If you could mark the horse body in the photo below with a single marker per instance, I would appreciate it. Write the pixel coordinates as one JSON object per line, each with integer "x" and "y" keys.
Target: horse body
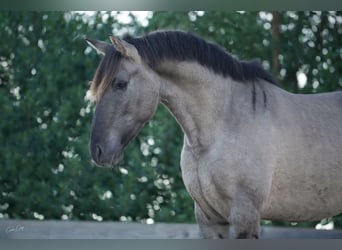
{"x": 305, "y": 183}
{"x": 271, "y": 152}
{"x": 251, "y": 150}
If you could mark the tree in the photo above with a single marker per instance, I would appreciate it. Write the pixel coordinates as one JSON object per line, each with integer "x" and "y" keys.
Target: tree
{"x": 46, "y": 172}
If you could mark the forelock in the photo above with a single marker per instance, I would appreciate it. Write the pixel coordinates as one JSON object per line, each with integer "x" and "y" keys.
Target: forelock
{"x": 105, "y": 73}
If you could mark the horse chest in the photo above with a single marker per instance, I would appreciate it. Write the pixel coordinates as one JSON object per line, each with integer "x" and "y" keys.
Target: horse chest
{"x": 190, "y": 176}
{"x": 198, "y": 184}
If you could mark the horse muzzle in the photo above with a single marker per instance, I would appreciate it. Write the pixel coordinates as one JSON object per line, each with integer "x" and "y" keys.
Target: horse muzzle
{"x": 106, "y": 156}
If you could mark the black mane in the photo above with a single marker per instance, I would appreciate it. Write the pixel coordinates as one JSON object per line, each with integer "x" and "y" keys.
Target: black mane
{"x": 181, "y": 46}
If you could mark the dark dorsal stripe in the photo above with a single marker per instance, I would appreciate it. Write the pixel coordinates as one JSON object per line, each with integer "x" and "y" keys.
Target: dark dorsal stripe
{"x": 181, "y": 46}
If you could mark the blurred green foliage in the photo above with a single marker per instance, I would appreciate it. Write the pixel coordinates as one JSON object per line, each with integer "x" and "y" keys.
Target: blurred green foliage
{"x": 45, "y": 69}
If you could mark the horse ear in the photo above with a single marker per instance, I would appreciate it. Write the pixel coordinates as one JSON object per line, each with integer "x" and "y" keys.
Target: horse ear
{"x": 101, "y": 47}
{"x": 126, "y": 49}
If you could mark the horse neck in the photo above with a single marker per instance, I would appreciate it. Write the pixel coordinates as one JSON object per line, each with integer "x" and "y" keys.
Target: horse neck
{"x": 197, "y": 98}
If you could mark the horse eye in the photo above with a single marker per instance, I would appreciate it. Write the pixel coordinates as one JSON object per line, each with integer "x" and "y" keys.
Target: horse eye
{"x": 119, "y": 84}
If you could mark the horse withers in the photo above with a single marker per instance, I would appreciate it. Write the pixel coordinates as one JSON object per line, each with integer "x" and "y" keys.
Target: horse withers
{"x": 251, "y": 150}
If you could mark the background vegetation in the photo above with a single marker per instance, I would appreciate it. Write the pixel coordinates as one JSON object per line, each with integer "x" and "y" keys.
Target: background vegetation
{"x": 45, "y": 69}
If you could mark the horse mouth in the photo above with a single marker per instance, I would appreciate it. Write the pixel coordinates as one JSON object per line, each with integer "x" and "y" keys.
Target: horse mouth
{"x": 117, "y": 158}
{"x": 116, "y": 155}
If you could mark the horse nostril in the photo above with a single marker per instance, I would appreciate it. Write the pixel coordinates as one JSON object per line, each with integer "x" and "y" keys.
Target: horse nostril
{"x": 98, "y": 152}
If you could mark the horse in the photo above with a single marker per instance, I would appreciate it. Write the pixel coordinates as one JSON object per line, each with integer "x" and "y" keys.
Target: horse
{"x": 251, "y": 150}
